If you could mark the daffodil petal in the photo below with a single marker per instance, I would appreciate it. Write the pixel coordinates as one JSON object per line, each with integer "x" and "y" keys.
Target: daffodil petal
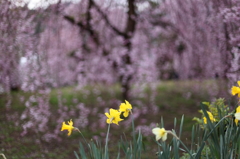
{"x": 158, "y": 137}
{"x": 238, "y": 83}
{"x": 108, "y": 121}
{"x": 204, "y": 120}
{"x": 238, "y": 109}
{"x": 70, "y": 122}
{"x": 128, "y": 104}
{"x": 237, "y": 116}
{"x": 63, "y": 126}
{"x": 115, "y": 122}
{"x": 155, "y": 131}
{"x": 236, "y": 121}
{"x": 107, "y": 115}
{"x": 69, "y": 132}
{"x": 112, "y": 111}
{"x": 164, "y": 138}
{"x": 122, "y": 107}
{"x": 125, "y": 114}
{"x": 235, "y": 90}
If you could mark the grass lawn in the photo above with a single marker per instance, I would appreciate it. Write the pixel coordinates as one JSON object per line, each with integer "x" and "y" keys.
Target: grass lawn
{"x": 172, "y": 98}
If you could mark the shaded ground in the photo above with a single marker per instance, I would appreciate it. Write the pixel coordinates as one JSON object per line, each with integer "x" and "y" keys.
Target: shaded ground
{"x": 173, "y": 98}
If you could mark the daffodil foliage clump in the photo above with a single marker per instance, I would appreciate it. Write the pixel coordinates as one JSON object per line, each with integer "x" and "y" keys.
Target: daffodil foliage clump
{"x": 215, "y": 135}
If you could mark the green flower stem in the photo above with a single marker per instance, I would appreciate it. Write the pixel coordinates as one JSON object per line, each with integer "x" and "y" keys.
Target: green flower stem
{"x": 134, "y": 137}
{"x": 3, "y": 155}
{"x": 81, "y": 134}
{"x": 76, "y": 129}
{"x": 174, "y": 135}
{"x": 106, "y": 144}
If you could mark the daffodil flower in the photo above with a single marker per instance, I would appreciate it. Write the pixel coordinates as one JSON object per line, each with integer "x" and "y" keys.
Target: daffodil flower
{"x": 125, "y": 108}
{"x": 69, "y": 127}
{"x": 237, "y": 115}
{"x": 160, "y": 133}
{"x": 210, "y": 117}
{"x": 236, "y": 90}
{"x": 113, "y": 116}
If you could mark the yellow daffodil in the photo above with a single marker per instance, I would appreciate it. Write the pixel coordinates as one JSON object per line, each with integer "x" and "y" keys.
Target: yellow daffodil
{"x": 237, "y": 115}
{"x": 125, "y": 108}
{"x": 236, "y": 90}
{"x": 68, "y": 127}
{"x": 210, "y": 117}
{"x": 160, "y": 133}
{"x": 113, "y": 116}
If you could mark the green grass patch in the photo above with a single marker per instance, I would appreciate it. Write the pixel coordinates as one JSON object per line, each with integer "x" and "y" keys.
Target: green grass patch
{"x": 173, "y": 98}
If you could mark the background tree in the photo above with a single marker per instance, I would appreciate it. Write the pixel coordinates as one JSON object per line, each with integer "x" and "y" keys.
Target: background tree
{"x": 11, "y": 49}
{"x": 122, "y": 67}
{"x": 132, "y": 42}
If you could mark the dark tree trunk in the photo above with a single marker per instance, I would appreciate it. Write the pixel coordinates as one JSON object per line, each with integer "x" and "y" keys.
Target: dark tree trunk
{"x": 126, "y": 59}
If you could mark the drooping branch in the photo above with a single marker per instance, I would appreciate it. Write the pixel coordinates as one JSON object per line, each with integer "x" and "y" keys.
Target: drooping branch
{"x": 105, "y": 18}
{"x": 87, "y": 26}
